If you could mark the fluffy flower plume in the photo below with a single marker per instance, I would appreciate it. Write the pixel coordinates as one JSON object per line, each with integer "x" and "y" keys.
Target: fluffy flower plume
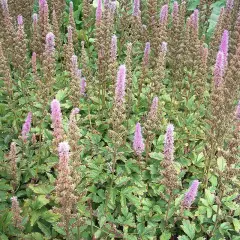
{"x": 146, "y": 54}
{"x": 50, "y": 42}
{"x": 229, "y": 4}
{"x": 120, "y": 86}
{"x": 169, "y": 144}
{"x": 63, "y": 152}
{"x": 16, "y": 212}
{"x": 138, "y": 144}
{"x": 83, "y": 85}
{"x": 194, "y": 20}
{"x": 26, "y": 126}
{"x": 219, "y": 69}
{"x": 20, "y": 20}
{"x": 164, "y": 14}
{"x": 99, "y": 11}
{"x": 224, "y": 45}
{"x": 114, "y": 48}
{"x": 190, "y": 194}
{"x": 238, "y": 111}
{"x": 56, "y": 116}
{"x": 136, "y": 8}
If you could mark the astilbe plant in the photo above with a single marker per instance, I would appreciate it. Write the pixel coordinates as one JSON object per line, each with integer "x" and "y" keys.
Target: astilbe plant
{"x": 100, "y": 164}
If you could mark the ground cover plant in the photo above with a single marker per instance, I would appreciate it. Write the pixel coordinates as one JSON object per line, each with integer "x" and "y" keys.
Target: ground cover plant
{"x": 119, "y": 119}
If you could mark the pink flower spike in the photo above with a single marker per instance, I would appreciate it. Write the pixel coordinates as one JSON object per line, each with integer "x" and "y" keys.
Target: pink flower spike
{"x": 26, "y": 127}
{"x": 219, "y": 69}
{"x": 83, "y": 85}
{"x": 50, "y": 42}
{"x": 154, "y": 106}
{"x": 224, "y": 45}
{"x": 120, "y": 86}
{"x": 63, "y": 152}
{"x": 191, "y": 194}
{"x": 138, "y": 144}
{"x": 169, "y": 144}
{"x": 4, "y": 4}
{"x": 99, "y": 12}
{"x": 146, "y": 54}
{"x": 164, "y": 14}
{"x": 136, "y": 8}
{"x": 229, "y": 5}
{"x": 20, "y": 20}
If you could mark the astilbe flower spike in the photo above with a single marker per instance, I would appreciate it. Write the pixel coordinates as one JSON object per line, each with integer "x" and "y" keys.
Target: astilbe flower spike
{"x": 169, "y": 144}
{"x": 229, "y": 4}
{"x": 219, "y": 69}
{"x": 164, "y": 14}
{"x": 83, "y": 85}
{"x": 146, "y": 54}
{"x": 138, "y": 144}
{"x": 114, "y": 48}
{"x": 99, "y": 12}
{"x": 56, "y": 116}
{"x": 50, "y": 42}
{"x": 26, "y": 127}
{"x": 224, "y": 45}
{"x": 191, "y": 194}
{"x": 16, "y": 212}
{"x": 120, "y": 85}
{"x": 136, "y": 8}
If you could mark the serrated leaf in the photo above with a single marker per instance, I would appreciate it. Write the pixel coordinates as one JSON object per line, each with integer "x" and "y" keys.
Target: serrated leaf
{"x": 122, "y": 180}
{"x": 44, "y": 229}
{"x": 189, "y": 228}
{"x": 165, "y": 235}
{"x": 236, "y": 223}
{"x": 155, "y": 155}
{"x": 41, "y": 189}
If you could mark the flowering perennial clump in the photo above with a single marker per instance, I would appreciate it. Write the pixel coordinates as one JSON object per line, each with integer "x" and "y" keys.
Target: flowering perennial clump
{"x": 109, "y": 109}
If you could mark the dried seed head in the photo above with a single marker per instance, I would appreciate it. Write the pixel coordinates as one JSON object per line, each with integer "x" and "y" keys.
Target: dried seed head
{"x": 154, "y": 106}
{"x": 114, "y": 48}
{"x": 191, "y": 194}
{"x": 138, "y": 144}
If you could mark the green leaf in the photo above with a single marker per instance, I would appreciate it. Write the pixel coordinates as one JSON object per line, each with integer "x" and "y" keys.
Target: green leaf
{"x": 42, "y": 189}
{"x": 236, "y": 223}
{"x": 221, "y": 162}
{"x": 188, "y": 228}
{"x": 210, "y": 197}
{"x": 155, "y": 155}
{"x": 3, "y": 237}
{"x": 166, "y": 235}
{"x": 50, "y": 216}
{"x": 44, "y": 229}
{"x": 183, "y": 237}
{"x": 40, "y": 202}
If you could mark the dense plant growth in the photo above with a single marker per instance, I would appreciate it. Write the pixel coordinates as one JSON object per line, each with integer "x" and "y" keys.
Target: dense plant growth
{"x": 119, "y": 119}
